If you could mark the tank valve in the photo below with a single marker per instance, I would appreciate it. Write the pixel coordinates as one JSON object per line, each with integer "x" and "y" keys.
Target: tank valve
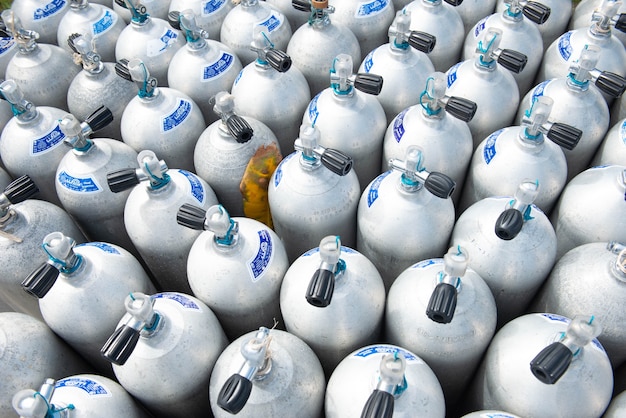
{"x": 606, "y": 16}
{"x": 150, "y": 169}
{"x": 135, "y": 70}
{"x": 434, "y": 98}
{"x": 139, "y": 12}
{"x": 392, "y": 381}
{"x": 510, "y": 222}
{"x": 536, "y": 123}
{"x": 312, "y": 153}
{"x": 442, "y": 303}
{"x": 343, "y": 81}
{"x": 85, "y": 53}
{"x": 489, "y": 53}
{"x": 401, "y": 37}
{"x": 318, "y": 9}
{"x": 236, "y": 126}
{"x": 583, "y": 70}
{"x": 267, "y": 55}
{"x": 25, "y": 39}
{"x": 414, "y": 175}
{"x": 186, "y": 21}
{"x": 77, "y": 134}
{"x": 29, "y": 403}
{"x": 17, "y": 191}
{"x": 21, "y": 108}
{"x": 320, "y": 290}
{"x": 216, "y": 219}
{"x": 536, "y": 12}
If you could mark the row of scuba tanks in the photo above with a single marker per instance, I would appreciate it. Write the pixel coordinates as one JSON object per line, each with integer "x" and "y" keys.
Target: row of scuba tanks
{"x": 279, "y": 220}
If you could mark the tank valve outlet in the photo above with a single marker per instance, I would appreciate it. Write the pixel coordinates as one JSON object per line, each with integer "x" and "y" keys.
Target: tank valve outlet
{"x": 139, "y": 12}
{"x": 236, "y": 126}
{"x": 536, "y": 124}
{"x": 186, "y": 21}
{"x": 343, "y": 81}
{"x": 534, "y": 11}
{"x": 151, "y": 169}
{"x": 234, "y": 395}
{"x": 391, "y": 384}
{"x": 442, "y": 303}
{"x": 25, "y": 39}
{"x": 36, "y": 404}
{"x": 605, "y": 16}
{"x": 135, "y": 70}
{"x": 488, "y": 53}
{"x": 401, "y": 37}
{"x": 140, "y": 317}
{"x": 414, "y": 175}
{"x": 510, "y": 222}
{"x": 553, "y": 361}
{"x": 434, "y": 98}
{"x": 21, "y": 108}
{"x": 267, "y": 55}
{"x": 216, "y": 219}
{"x": 314, "y": 154}
{"x": 319, "y": 293}
{"x": 85, "y": 53}
{"x": 61, "y": 259}
{"x": 77, "y": 134}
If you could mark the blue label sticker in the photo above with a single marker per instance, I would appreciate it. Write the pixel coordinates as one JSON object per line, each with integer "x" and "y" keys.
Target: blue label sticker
{"x": 372, "y": 193}
{"x": 385, "y": 349}
{"x": 597, "y": 345}
{"x": 6, "y": 44}
{"x": 197, "y": 190}
{"x": 312, "y": 111}
{"x": 496, "y": 415}
{"x": 538, "y": 92}
{"x": 317, "y": 250}
{"x": 78, "y": 184}
{"x": 564, "y": 45}
{"x": 239, "y": 76}
{"x": 261, "y": 260}
{"x": 183, "y": 300}
{"x": 490, "y": 146}
{"x": 278, "y": 173}
{"x": 369, "y": 62}
{"x": 398, "y": 126}
{"x": 155, "y": 47}
{"x": 218, "y": 67}
{"x": 426, "y": 263}
{"x": 48, "y": 10}
{"x": 480, "y": 26}
{"x": 211, "y": 6}
{"x": 622, "y": 132}
{"x": 106, "y": 22}
{"x": 107, "y": 248}
{"x": 50, "y": 140}
{"x": 178, "y": 116}
{"x": 91, "y": 387}
{"x": 273, "y": 22}
{"x": 452, "y": 73}
{"x": 557, "y": 318}
{"x": 370, "y": 8}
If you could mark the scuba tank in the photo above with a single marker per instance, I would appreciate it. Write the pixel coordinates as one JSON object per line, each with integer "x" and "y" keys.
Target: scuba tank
{"x": 404, "y": 215}
{"x": 150, "y": 216}
{"x": 612, "y": 149}
{"x": 71, "y": 286}
{"x": 509, "y": 155}
{"x": 238, "y": 28}
{"x": 209, "y": 14}
{"x": 518, "y": 23}
{"x": 314, "y": 46}
{"x": 43, "y": 72}
{"x": 471, "y": 11}
{"x": 97, "y": 85}
{"x": 162, "y": 119}
{"x": 617, "y": 407}
{"x": 42, "y": 16}
{"x": 383, "y": 381}
{"x": 591, "y": 278}
{"x": 202, "y": 68}
{"x": 348, "y": 120}
{"x": 150, "y": 351}
{"x": 99, "y": 22}
{"x": 272, "y": 91}
{"x": 583, "y": 13}
{"x": 402, "y": 63}
{"x": 155, "y": 8}
{"x": 437, "y": 124}
{"x": 443, "y": 22}
{"x": 544, "y": 365}
{"x": 32, "y": 141}
{"x": 236, "y": 267}
{"x": 149, "y": 39}
{"x": 267, "y": 373}
{"x": 444, "y": 312}
{"x": 293, "y": 15}
{"x": 512, "y": 246}
{"x": 490, "y": 414}
{"x": 580, "y": 104}
{"x": 491, "y": 87}
{"x": 237, "y": 156}
{"x": 313, "y": 193}
{"x": 346, "y": 301}
{"x": 591, "y": 208}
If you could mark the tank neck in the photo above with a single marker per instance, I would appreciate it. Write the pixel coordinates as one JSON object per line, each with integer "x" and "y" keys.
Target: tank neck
{"x": 576, "y": 85}
{"x": 432, "y": 3}
{"x": 79, "y": 4}
{"x": 249, "y": 3}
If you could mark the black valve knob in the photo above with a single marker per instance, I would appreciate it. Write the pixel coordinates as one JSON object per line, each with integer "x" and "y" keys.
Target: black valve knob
{"x": 191, "y": 217}
{"x": 512, "y": 60}
{"x": 301, "y": 5}
{"x": 121, "y": 3}
{"x": 121, "y": 180}
{"x": 440, "y": 185}
{"x": 369, "y": 83}
{"x": 120, "y": 345}
{"x": 620, "y": 23}
{"x": 611, "y": 84}
{"x": 461, "y": 108}
{"x": 172, "y": 18}
{"x": 442, "y": 303}
{"x": 378, "y": 405}
{"x": 41, "y": 280}
{"x": 336, "y": 161}
{"x": 565, "y": 136}
{"x": 121, "y": 69}
{"x": 551, "y": 363}
{"x": 234, "y": 394}
{"x": 422, "y": 41}
{"x": 536, "y": 12}
{"x": 279, "y": 60}
{"x": 454, "y": 2}
{"x": 239, "y": 129}
{"x": 70, "y": 42}
{"x": 319, "y": 293}
{"x": 509, "y": 224}
{"x": 99, "y": 119}
{"x": 20, "y": 189}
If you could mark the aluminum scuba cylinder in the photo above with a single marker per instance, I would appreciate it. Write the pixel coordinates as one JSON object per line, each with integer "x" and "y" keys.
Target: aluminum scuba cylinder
{"x": 617, "y": 407}
{"x": 209, "y": 13}
{"x": 150, "y": 216}
{"x": 584, "y": 11}
{"x": 533, "y": 150}
{"x": 492, "y": 88}
{"x": 404, "y": 215}
{"x": 43, "y": 72}
{"x": 267, "y": 373}
{"x": 383, "y": 381}
{"x": 97, "y": 85}
{"x": 150, "y": 39}
{"x": 153, "y": 339}
{"x": 349, "y": 120}
{"x": 238, "y": 27}
{"x": 314, "y": 46}
{"x": 202, "y": 68}
{"x": 512, "y": 246}
{"x": 346, "y": 301}
{"x": 443, "y": 311}
{"x": 402, "y": 63}
{"x": 612, "y": 149}
{"x": 162, "y": 119}
{"x": 98, "y": 21}
{"x": 544, "y": 365}
{"x": 313, "y": 193}
{"x": 272, "y": 91}
{"x": 155, "y": 8}
{"x": 472, "y": 11}
{"x": 24, "y": 222}
{"x": 293, "y": 15}
{"x": 236, "y": 267}
{"x": 71, "y": 286}
{"x": 42, "y": 16}
{"x": 590, "y": 208}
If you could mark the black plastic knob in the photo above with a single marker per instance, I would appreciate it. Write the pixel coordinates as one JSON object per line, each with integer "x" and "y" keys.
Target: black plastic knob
{"x": 41, "y": 280}
{"x": 191, "y": 217}
{"x": 536, "y": 12}
{"x": 99, "y": 119}
{"x": 336, "y": 161}
{"x": 20, "y": 189}
{"x": 611, "y": 84}
{"x": 319, "y": 293}
{"x": 172, "y": 18}
{"x": 454, "y": 2}
{"x": 620, "y": 23}
{"x": 234, "y": 394}
{"x": 512, "y": 60}
{"x": 422, "y": 41}
{"x": 70, "y": 42}
{"x": 239, "y": 129}
{"x": 121, "y": 3}
{"x": 121, "y": 69}
{"x": 301, "y": 5}
{"x": 460, "y": 108}
{"x": 442, "y": 303}
{"x": 279, "y": 60}
{"x": 368, "y": 83}
{"x": 440, "y": 185}
{"x": 551, "y": 363}
{"x": 120, "y": 345}
{"x": 121, "y": 180}
{"x": 565, "y": 136}
{"x": 378, "y": 405}
{"x": 509, "y": 224}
